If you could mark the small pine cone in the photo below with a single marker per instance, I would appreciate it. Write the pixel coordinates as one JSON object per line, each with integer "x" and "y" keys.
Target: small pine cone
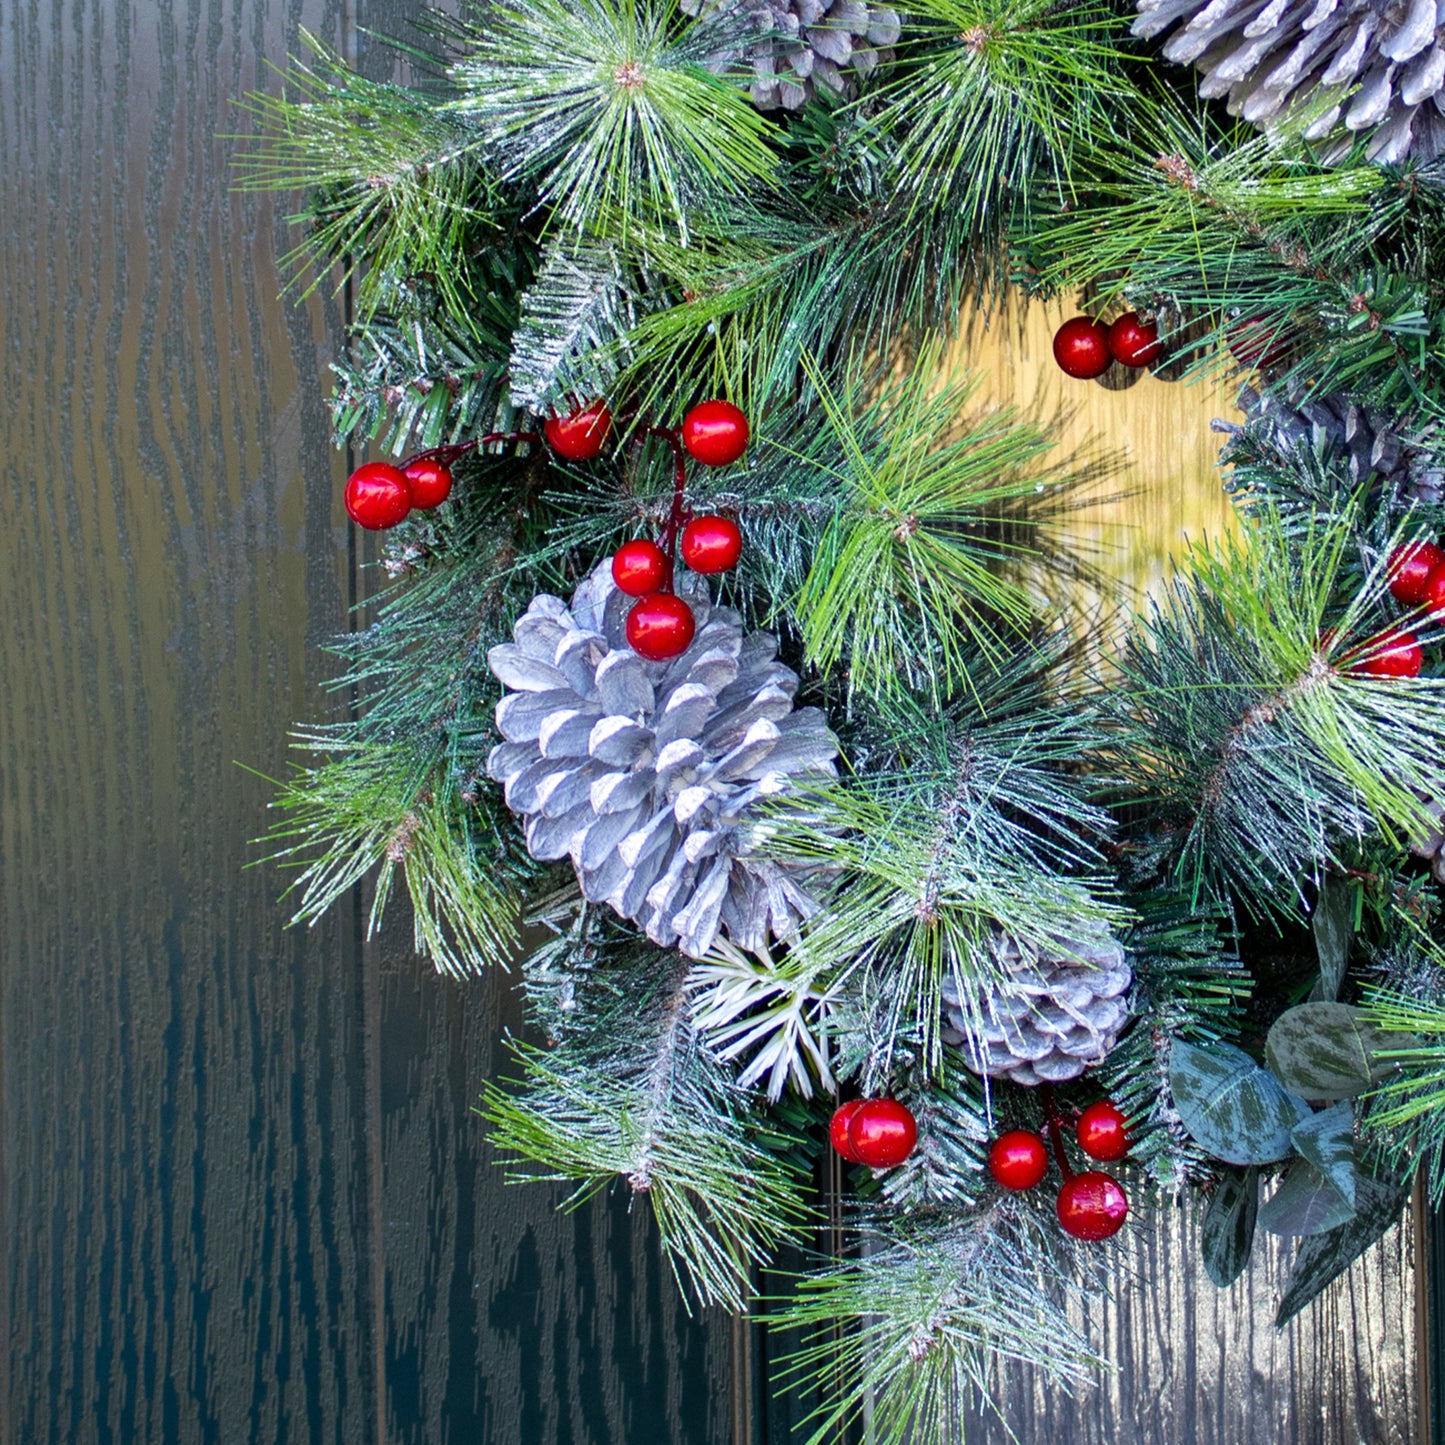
{"x": 1060, "y": 1011}
{"x": 1369, "y": 440}
{"x": 655, "y": 776}
{"x": 798, "y": 46}
{"x": 1369, "y": 65}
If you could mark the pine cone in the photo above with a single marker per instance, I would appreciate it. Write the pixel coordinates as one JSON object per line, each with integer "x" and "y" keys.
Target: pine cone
{"x": 653, "y": 775}
{"x": 1060, "y": 1012}
{"x": 799, "y": 45}
{"x": 1374, "y": 64}
{"x": 1368, "y": 438}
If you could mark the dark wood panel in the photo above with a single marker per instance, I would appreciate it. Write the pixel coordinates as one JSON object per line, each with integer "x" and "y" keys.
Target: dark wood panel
{"x": 210, "y": 1201}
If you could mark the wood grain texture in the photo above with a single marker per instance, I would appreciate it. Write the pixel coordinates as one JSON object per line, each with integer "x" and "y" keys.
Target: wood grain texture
{"x": 241, "y": 1187}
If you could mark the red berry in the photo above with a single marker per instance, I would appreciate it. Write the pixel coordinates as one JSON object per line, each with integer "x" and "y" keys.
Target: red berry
{"x": 1081, "y": 347}
{"x": 639, "y": 567}
{"x": 715, "y": 433}
{"x": 1409, "y": 569}
{"x": 1255, "y": 344}
{"x": 1101, "y": 1133}
{"x": 1133, "y": 342}
{"x": 838, "y": 1129}
{"x": 580, "y": 436}
{"x": 377, "y": 496}
{"x": 1018, "y": 1160}
{"x": 430, "y": 482}
{"x": 1092, "y": 1206}
{"x": 1389, "y": 654}
{"x": 711, "y": 544}
{"x": 1434, "y": 598}
{"x": 882, "y": 1133}
{"x": 660, "y": 626}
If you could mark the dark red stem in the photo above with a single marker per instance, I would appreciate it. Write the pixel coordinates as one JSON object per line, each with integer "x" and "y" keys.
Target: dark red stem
{"x": 1053, "y": 1122}
{"x": 450, "y": 452}
{"x": 676, "y": 516}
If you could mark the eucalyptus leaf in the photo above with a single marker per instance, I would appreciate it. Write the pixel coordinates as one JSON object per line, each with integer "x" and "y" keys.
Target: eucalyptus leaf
{"x": 1327, "y": 1140}
{"x": 1306, "y": 1202}
{"x": 1232, "y": 1108}
{"x": 1227, "y": 1234}
{"x": 1326, "y": 1050}
{"x": 1333, "y": 926}
{"x": 1325, "y": 1257}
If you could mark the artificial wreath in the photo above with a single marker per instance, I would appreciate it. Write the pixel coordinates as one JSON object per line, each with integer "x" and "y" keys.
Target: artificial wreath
{"x": 714, "y": 686}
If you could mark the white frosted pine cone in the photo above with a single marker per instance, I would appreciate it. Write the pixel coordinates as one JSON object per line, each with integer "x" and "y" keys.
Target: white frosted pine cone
{"x": 1365, "y": 65}
{"x": 652, "y": 776}
{"x": 1057, "y": 1011}
{"x": 802, "y": 45}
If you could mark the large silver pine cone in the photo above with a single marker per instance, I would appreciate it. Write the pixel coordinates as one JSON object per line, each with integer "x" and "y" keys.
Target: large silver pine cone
{"x": 1369, "y": 440}
{"x": 799, "y": 45}
{"x": 1059, "y": 1010}
{"x": 653, "y": 776}
{"x": 1374, "y": 65}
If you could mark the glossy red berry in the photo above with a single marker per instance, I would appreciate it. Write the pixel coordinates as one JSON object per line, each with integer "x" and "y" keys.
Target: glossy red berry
{"x": 1018, "y": 1160}
{"x": 1101, "y": 1133}
{"x": 711, "y": 544}
{"x": 1409, "y": 569}
{"x": 1434, "y": 599}
{"x": 838, "y": 1129}
{"x": 1133, "y": 342}
{"x": 580, "y": 436}
{"x": 1081, "y": 348}
{"x": 660, "y": 626}
{"x": 882, "y": 1133}
{"x": 715, "y": 433}
{"x": 639, "y": 567}
{"x": 1389, "y": 654}
{"x": 1092, "y": 1206}
{"x": 430, "y": 482}
{"x": 377, "y": 496}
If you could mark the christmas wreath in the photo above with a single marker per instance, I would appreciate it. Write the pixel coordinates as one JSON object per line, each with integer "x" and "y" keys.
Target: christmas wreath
{"x": 720, "y": 684}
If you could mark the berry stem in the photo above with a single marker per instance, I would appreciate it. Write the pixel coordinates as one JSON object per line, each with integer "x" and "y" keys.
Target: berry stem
{"x": 1053, "y": 1122}
{"x": 673, "y": 438}
{"x": 451, "y": 451}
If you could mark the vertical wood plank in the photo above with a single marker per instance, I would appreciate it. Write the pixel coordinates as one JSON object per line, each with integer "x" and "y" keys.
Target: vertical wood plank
{"x": 182, "y": 1133}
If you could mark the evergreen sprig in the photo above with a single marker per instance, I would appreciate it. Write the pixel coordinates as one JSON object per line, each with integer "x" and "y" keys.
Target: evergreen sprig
{"x": 634, "y": 1095}
{"x": 608, "y": 108}
{"x": 928, "y": 1314}
{"x": 1249, "y": 726}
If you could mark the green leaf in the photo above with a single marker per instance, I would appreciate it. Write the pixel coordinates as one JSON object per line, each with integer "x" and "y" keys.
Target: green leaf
{"x": 1327, "y": 1140}
{"x": 1325, "y": 1257}
{"x": 1333, "y": 926}
{"x": 1325, "y": 1050}
{"x": 1306, "y": 1202}
{"x": 1236, "y": 1110}
{"x": 1227, "y": 1234}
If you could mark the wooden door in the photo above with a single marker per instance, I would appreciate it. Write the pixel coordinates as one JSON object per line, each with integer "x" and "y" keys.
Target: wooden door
{"x": 245, "y": 1198}
{"x": 245, "y": 1195}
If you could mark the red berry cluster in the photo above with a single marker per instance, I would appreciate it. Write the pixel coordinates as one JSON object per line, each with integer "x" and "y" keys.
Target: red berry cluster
{"x": 379, "y": 496}
{"x": 1084, "y": 347}
{"x": 880, "y": 1133}
{"x": 661, "y": 625}
{"x": 1091, "y": 1205}
{"x": 1416, "y": 573}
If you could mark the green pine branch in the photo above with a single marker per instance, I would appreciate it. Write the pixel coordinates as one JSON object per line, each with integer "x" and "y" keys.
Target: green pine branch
{"x": 634, "y": 1096}
{"x": 929, "y": 1315}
